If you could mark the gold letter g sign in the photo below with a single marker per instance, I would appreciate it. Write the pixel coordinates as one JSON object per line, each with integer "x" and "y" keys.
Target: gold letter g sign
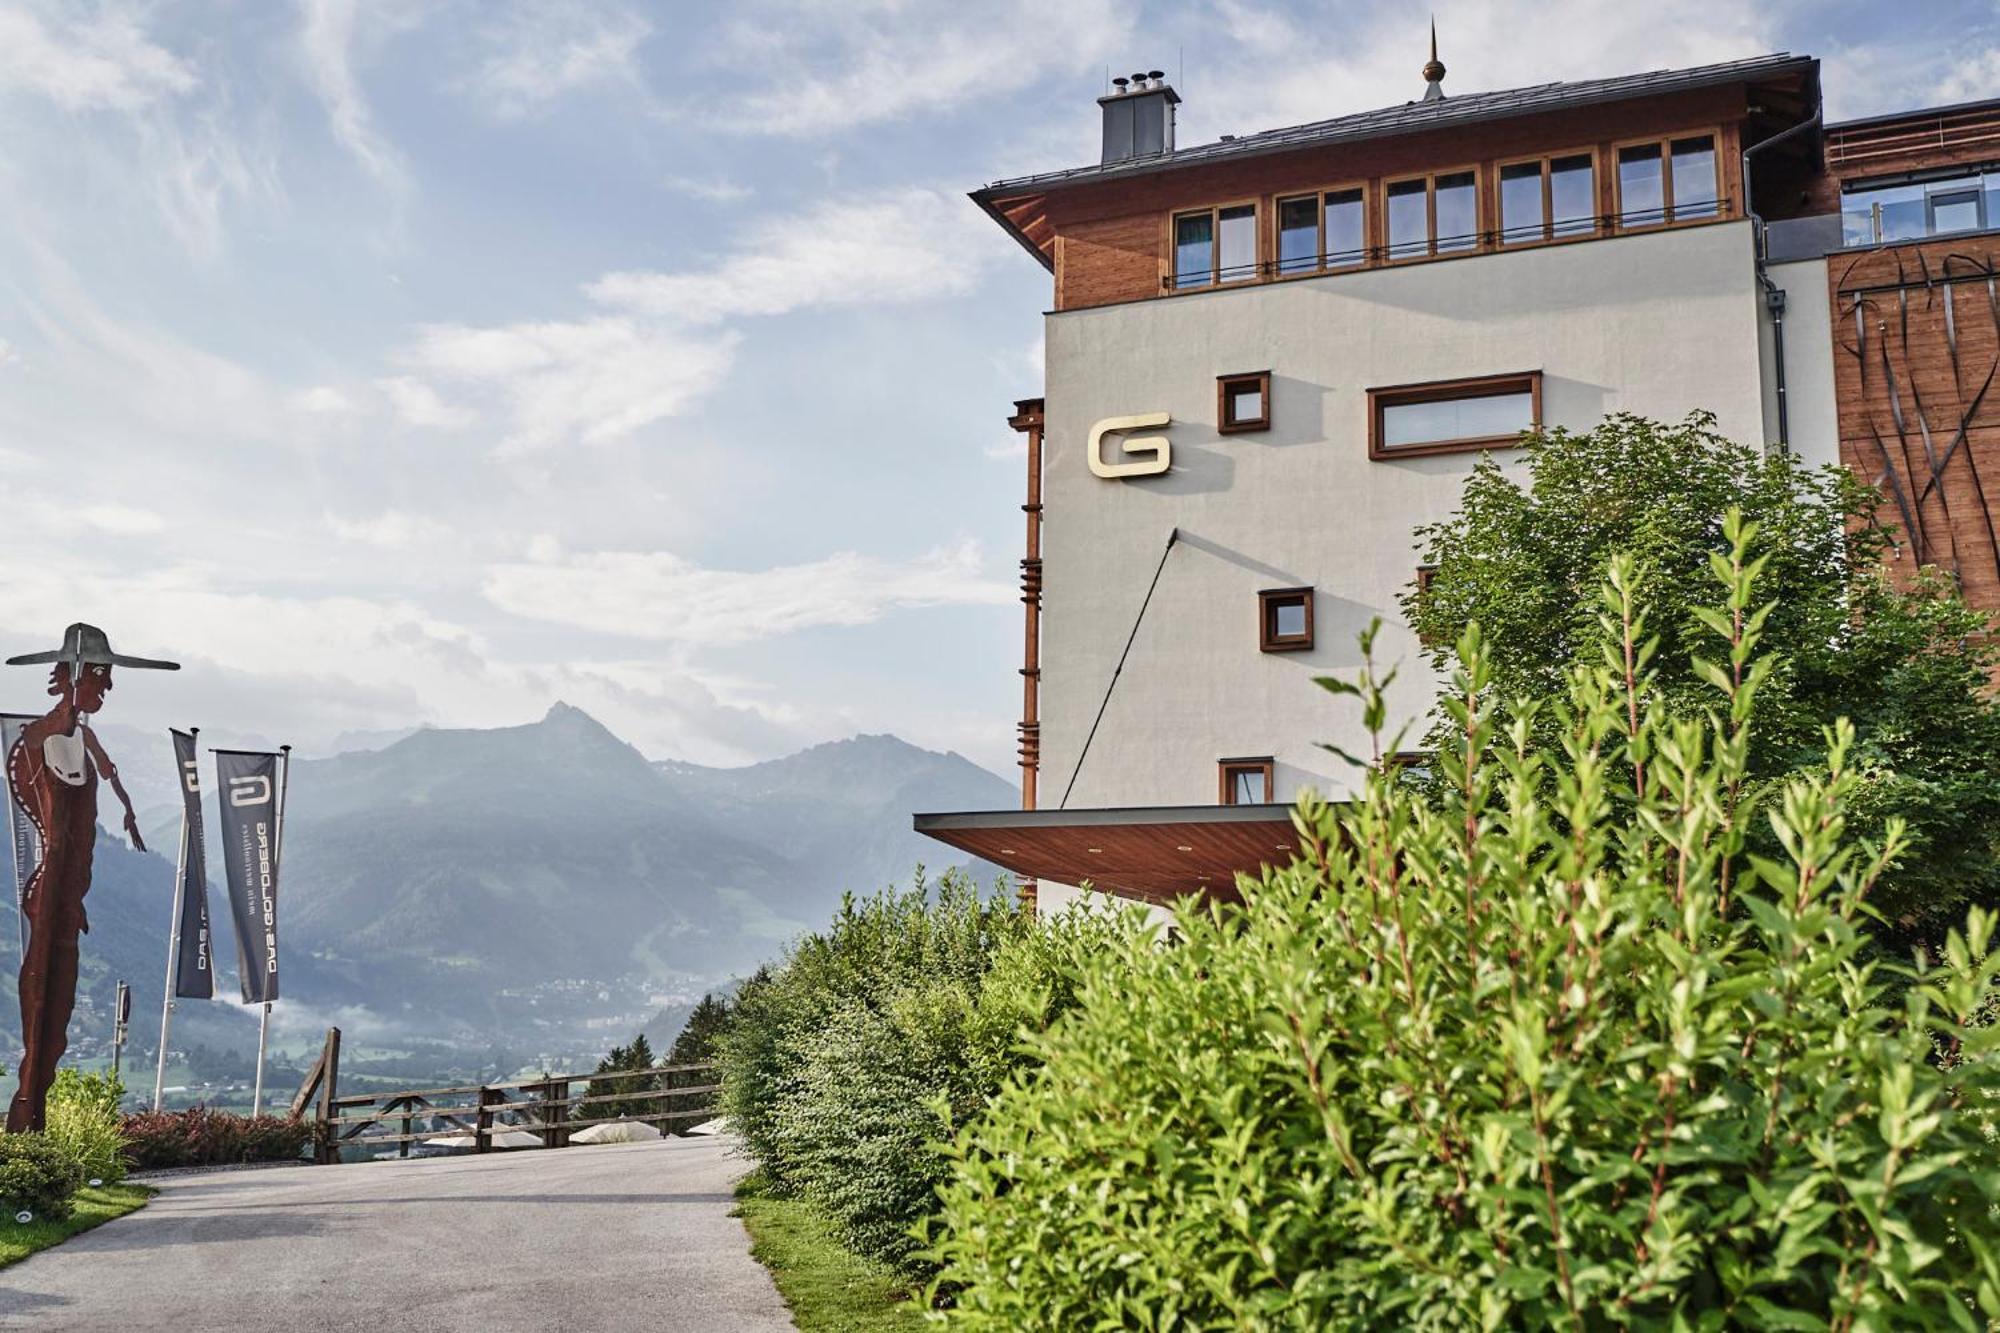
{"x": 1160, "y": 451}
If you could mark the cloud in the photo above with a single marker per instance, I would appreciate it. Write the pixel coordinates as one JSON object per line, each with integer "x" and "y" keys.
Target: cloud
{"x": 324, "y": 400}
{"x": 390, "y": 530}
{"x": 816, "y": 68}
{"x": 659, "y": 595}
{"x": 912, "y": 244}
{"x": 121, "y": 520}
{"x": 538, "y": 53}
{"x": 8, "y": 355}
{"x": 105, "y": 63}
{"x": 418, "y": 404}
{"x": 716, "y": 191}
{"x": 1272, "y": 70}
{"x": 326, "y": 42}
{"x": 594, "y": 380}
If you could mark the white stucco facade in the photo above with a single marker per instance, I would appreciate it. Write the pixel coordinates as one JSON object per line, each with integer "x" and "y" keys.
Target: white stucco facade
{"x": 1813, "y": 429}
{"x": 1656, "y": 324}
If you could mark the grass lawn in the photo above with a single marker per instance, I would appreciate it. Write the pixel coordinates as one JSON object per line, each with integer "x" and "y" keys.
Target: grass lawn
{"x": 829, "y": 1289}
{"x": 94, "y": 1207}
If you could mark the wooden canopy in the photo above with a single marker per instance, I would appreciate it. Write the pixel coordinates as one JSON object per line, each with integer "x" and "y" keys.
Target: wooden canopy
{"x": 1152, "y": 853}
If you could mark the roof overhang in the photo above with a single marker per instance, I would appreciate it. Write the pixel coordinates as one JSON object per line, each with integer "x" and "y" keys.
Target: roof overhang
{"x": 1152, "y": 853}
{"x": 1388, "y": 122}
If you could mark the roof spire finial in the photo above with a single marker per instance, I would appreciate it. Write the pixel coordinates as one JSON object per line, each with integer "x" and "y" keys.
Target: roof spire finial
{"x": 1434, "y": 69}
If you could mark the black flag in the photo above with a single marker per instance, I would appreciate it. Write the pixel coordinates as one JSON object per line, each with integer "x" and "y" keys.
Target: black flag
{"x": 194, "y": 970}
{"x": 248, "y": 796}
{"x": 23, "y": 846}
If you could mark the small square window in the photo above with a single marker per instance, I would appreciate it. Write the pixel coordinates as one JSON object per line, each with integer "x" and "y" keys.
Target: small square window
{"x": 1425, "y": 573}
{"x": 1412, "y": 764}
{"x": 1285, "y": 619}
{"x": 1246, "y": 781}
{"x": 1243, "y": 402}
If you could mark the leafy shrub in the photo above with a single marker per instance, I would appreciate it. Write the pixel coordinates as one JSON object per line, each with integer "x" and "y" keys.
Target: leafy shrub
{"x": 38, "y": 1175}
{"x": 1906, "y": 662}
{"x": 1555, "y": 1052}
{"x": 845, "y": 1066}
{"x": 199, "y": 1136}
{"x": 84, "y": 1121}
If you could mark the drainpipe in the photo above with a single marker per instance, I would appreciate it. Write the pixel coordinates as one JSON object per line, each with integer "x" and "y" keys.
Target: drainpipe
{"x": 1774, "y": 295}
{"x": 1774, "y": 301}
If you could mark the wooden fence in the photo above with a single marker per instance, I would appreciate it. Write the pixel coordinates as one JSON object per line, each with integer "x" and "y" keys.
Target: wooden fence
{"x": 542, "y": 1106}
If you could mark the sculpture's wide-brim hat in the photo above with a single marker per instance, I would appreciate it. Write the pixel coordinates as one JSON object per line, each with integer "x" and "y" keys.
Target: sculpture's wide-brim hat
{"x": 87, "y": 645}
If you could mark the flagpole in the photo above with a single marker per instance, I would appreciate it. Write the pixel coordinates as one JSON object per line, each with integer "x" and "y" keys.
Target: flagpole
{"x": 173, "y": 940}
{"x": 277, "y": 873}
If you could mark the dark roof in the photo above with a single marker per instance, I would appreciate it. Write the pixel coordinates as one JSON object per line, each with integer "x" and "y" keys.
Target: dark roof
{"x": 1411, "y": 117}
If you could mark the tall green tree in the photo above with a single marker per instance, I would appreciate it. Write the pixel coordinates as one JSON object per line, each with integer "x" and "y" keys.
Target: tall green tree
{"x": 1906, "y": 663}
{"x": 632, "y": 1098}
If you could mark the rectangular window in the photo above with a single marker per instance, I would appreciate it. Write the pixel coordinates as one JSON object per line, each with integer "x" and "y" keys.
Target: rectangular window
{"x": 1642, "y": 193}
{"x": 1521, "y": 215}
{"x": 1550, "y": 198}
{"x": 1298, "y": 234}
{"x": 1451, "y": 416}
{"x": 1285, "y": 620}
{"x": 1245, "y": 781}
{"x": 1346, "y": 238}
{"x": 1236, "y": 243}
{"x": 1674, "y": 180}
{"x": 1215, "y": 245}
{"x": 1694, "y": 179}
{"x": 1409, "y": 219}
{"x": 1243, "y": 402}
{"x": 1955, "y": 208}
{"x": 1194, "y": 249}
{"x": 1456, "y": 213}
{"x": 1433, "y": 215}
{"x": 1573, "y": 195}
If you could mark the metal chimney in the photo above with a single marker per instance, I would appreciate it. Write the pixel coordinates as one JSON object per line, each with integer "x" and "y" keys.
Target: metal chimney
{"x": 1139, "y": 117}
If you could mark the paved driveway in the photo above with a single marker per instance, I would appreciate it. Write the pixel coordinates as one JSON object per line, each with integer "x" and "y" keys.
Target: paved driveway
{"x": 627, "y": 1236}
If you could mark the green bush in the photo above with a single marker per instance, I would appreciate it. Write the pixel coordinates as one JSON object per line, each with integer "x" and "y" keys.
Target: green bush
{"x": 844, "y": 1067}
{"x": 37, "y": 1175}
{"x": 85, "y": 1122}
{"x": 1906, "y": 662}
{"x": 1554, "y": 1052}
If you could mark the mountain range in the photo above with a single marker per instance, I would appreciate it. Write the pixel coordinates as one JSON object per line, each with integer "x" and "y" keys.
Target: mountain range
{"x": 544, "y": 886}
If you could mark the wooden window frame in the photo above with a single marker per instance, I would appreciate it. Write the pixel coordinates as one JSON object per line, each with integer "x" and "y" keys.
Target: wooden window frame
{"x": 1546, "y": 161}
{"x": 1430, "y": 180}
{"x": 1215, "y": 212}
{"x": 1478, "y": 386}
{"x": 1268, "y": 639}
{"x": 1319, "y": 264}
{"x": 1226, "y": 770}
{"x": 1261, "y": 379}
{"x": 1665, "y": 143}
{"x": 1425, "y": 574}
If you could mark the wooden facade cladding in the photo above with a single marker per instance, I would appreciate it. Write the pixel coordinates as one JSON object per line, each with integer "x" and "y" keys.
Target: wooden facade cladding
{"x": 1917, "y": 391}
{"x": 1923, "y": 140}
{"x": 1111, "y": 241}
{"x": 1895, "y": 146}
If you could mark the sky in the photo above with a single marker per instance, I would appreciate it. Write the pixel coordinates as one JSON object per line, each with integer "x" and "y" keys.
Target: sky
{"x": 429, "y": 362}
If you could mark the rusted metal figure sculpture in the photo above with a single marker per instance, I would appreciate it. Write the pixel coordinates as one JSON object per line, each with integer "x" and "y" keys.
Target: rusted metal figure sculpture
{"x": 52, "y": 772}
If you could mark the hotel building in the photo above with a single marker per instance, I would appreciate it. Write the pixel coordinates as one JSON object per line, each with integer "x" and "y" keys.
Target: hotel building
{"x": 1273, "y": 357}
